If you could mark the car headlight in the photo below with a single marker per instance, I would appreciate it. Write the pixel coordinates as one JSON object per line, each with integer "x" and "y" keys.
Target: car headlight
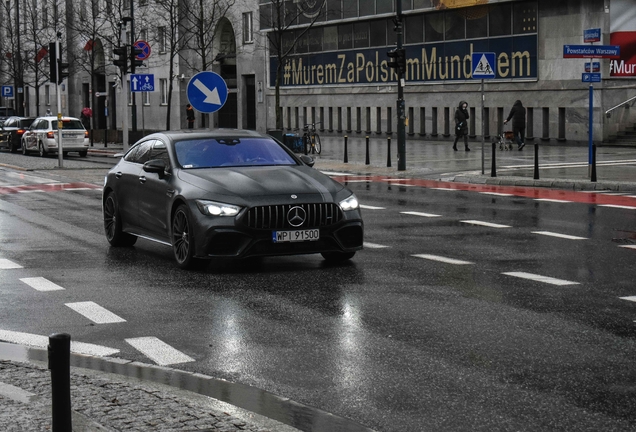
{"x": 350, "y": 203}
{"x": 212, "y": 208}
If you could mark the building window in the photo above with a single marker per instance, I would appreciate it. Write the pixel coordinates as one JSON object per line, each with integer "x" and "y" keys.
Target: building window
{"x": 145, "y": 98}
{"x": 162, "y": 39}
{"x": 143, "y": 35}
{"x": 45, "y": 16}
{"x": 248, "y": 28}
{"x": 47, "y": 95}
{"x": 163, "y": 87}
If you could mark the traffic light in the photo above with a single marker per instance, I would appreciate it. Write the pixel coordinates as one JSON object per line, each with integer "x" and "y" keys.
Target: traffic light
{"x": 62, "y": 71}
{"x": 122, "y": 61}
{"x": 52, "y": 63}
{"x": 398, "y": 59}
{"x": 134, "y": 61}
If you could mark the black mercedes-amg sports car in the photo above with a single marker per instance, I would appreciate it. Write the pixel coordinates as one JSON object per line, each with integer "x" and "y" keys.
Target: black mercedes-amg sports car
{"x": 227, "y": 193}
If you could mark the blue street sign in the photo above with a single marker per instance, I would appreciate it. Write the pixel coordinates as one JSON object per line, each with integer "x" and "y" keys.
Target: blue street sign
{"x": 7, "y": 91}
{"x": 483, "y": 65}
{"x": 145, "y": 49}
{"x": 592, "y": 66}
{"x": 207, "y": 92}
{"x": 591, "y": 51}
{"x": 591, "y": 77}
{"x": 142, "y": 82}
{"x": 592, "y": 35}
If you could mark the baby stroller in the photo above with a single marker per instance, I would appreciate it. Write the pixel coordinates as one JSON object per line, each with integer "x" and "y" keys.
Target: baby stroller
{"x": 506, "y": 139}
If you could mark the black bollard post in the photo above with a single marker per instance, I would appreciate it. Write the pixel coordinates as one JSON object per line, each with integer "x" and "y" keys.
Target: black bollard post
{"x": 388, "y": 153}
{"x": 536, "y": 161}
{"x": 367, "y": 160}
{"x": 60, "y": 365}
{"x": 346, "y": 155}
{"x": 493, "y": 168}
{"x": 593, "y": 174}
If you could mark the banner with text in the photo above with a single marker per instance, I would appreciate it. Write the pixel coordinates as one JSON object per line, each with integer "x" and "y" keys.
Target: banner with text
{"x": 623, "y": 34}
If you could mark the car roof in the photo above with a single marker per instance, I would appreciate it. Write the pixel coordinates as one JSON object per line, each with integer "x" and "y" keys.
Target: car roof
{"x": 178, "y": 135}
{"x": 53, "y": 118}
{"x": 19, "y": 118}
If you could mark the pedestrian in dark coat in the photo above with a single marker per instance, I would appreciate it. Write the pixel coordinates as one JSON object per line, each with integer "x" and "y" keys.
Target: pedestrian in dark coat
{"x": 461, "y": 124}
{"x": 190, "y": 116}
{"x": 518, "y": 116}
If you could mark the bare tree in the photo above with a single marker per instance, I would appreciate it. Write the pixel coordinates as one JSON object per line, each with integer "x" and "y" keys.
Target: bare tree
{"x": 283, "y": 40}
{"x": 11, "y": 57}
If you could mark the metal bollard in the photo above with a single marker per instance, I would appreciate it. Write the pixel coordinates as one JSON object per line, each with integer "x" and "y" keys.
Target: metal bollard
{"x": 388, "y": 153}
{"x": 493, "y": 167}
{"x": 536, "y": 161}
{"x": 59, "y": 350}
{"x": 593, "y": 173}
{"x": 346, "y": 155}
{"x": 367, "y": 160}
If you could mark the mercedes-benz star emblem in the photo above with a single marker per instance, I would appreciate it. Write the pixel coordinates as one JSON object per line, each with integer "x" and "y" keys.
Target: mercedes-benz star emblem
{"x": 294, "y": 196}
{"x": 296, "y": 216}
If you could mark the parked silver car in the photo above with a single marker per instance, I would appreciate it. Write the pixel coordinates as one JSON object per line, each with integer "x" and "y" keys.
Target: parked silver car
{"x": 42, "y": 136}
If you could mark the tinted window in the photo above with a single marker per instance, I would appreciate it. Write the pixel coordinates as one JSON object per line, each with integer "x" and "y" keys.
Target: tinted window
{"x": 68, "y": 124}
{"x": 140, "y": 153}
{"x": 231, "y": 152}
{"x": 25, "y": 123}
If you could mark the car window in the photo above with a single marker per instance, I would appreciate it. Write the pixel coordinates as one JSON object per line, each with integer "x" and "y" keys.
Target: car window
{"x": 69, "y": 124}
{"x": 140, "y": 153}
{"x": 43, "y": 124}
{"x": 9, "y": 122}
{"x": 160, "y": 151}
{"x": 231, "y": 152}
{"x": 25, "y": 123}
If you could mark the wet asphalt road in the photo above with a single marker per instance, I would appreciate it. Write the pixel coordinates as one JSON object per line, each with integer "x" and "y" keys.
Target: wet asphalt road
{"x": 396, "y": 340}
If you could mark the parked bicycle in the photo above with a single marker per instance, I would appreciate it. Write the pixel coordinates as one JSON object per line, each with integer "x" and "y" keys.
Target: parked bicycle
{"x": 311, "y": 139}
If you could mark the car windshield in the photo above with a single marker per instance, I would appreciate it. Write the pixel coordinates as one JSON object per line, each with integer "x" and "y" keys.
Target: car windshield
{"x": 68, "y": 124}
{"x": 230, "y": 152}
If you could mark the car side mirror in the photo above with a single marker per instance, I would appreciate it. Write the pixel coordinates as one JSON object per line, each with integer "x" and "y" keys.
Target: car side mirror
{"x": 157, "y": 166}
{"x": 307, "y": 160}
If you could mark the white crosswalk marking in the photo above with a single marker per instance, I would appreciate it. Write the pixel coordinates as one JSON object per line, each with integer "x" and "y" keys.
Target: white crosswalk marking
{"x": 95, "y": 312}
{"x": 552, "y": 200}
{"x": 486, "y": 224}
{"x": 43, "y": 341}
{"x": 442, "y": 259}
{"x": 618, "y": 206}
{"x": 563, "y": 236}
{"x": 628, "y": 246}
{"x": 445, "y": 189}
{"x": 629, "y": 298}
{"x": 5, "y": 264}
{"x": 539, "y": 278}
{"x": 497, "y": 194}
{"x": 429, "y": 215}
{"x": 41, "y": 284}
{"x": 159, "y": 351}
{"x": 374, "y": 246}
{"x": 368, "y": 207}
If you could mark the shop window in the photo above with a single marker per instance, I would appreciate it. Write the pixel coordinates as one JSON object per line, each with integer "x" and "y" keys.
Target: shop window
{"x": 349, "y": 8}
{"x": 455, "y": 26}
{"x": 384, "y": 6}
{"x": 345, "y": 36}
{"x": 334, "y": 9}
{"x": 476, "y": 22}
{"x": 434, "y": 27}
{"x": 315, "y": 39}
{"x": 330, "y": 38}
{"x": 377, "y": 30}
{"x": 499, "y": 20}
{"x": 361, "y": 35}
{"x": 366, "y": 7}
{"x": 414, "y": 29}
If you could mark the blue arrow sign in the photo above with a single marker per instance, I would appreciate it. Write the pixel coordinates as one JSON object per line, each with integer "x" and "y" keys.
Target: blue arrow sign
{"x": 207, "y": 92}
{"x": 142, "y": 83}
{"x": 7, "y": 91}
{"x": 483, "y": 65}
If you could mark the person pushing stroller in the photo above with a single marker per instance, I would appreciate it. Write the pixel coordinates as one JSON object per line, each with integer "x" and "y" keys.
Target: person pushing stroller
{"x": 518, "y": 116}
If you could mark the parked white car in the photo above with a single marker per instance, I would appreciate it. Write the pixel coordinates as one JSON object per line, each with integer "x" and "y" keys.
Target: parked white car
{"x": 41, "y": 136}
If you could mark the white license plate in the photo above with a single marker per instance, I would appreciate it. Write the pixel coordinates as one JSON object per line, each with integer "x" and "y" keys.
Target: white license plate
{"x": 295, "y": 236}
{"x": 69, "y": 135}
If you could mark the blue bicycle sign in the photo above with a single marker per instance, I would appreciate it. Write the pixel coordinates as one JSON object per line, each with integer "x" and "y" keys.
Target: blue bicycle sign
{"x": 142, "y": 83}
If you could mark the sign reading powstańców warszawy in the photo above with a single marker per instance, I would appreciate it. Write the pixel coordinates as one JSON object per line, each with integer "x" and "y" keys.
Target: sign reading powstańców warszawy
{"x": 516, "y": 58}
{"x": 623, "y": 34}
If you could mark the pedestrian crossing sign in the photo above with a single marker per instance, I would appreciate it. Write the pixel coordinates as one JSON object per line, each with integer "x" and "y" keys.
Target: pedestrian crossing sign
{"x": 483, "y": 65}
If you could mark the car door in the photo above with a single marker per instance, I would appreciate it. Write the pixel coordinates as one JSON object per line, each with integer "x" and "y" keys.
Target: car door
{"x": 155, "y": 195}
{"x": 126, "y": 185}
{"x": 29, "y": 138}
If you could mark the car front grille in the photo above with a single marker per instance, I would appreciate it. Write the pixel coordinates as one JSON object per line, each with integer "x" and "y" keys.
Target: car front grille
{"x": 277, "y": 216}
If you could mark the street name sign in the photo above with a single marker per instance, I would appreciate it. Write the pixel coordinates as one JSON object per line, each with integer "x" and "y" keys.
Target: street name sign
{"x": 142, "y": 82}
{"x": 483, "y": 65}
{"x": 591, "y": 51}
{"x": 592, "y": 35}
{"x": 207, "y": 92}
{"x": 592, "y": 66}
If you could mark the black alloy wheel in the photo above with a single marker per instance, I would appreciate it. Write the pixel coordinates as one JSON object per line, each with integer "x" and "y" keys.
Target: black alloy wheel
{"x": 112, "y": 224}
{"x": 183, "y": 240}
{"x": 25, "y": 152}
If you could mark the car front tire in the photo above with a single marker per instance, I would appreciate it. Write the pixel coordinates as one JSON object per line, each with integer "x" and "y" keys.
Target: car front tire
{"x": 83, "y": 153}
{"x": 112, "y": 224}
{"x": 183, "y": 240}
{"x": 25, "y": 152}
{"x": 41, "y": 151}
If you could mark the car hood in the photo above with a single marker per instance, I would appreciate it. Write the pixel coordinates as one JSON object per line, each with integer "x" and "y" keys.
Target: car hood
{"x": 262, "y": 181}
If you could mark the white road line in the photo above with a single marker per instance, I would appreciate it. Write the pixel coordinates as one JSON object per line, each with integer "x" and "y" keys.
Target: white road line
{"x": 628, "y": 246}
{"x": 497, "y": 194}
{"x": 486, "y": 224}
{"x": 428, "y": 215}
{"x": 617, "y": 206}
{"x": 552, "y": 200}
{"x": 630, "y": 298}
{"x": 95, "y": 312}
{"x": 158, "y": 351}
{"x": 539, "y": 278}
{"x": 17, "y": 394}
{"x": 5, "y": 264}
{"x": 631, "y": 196}
{"x": 563, "y": 236}
{"x": 356, "y": 181}
{"x": 41, "y": 284}
{"x": 445, "y": 189}
{"x": 43, "y": 341}
{"x": 368, "y": 207}
{"x": 443, "y": 259}
{"x": 333, "y": 173}
{"x": 374, "y": 246}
